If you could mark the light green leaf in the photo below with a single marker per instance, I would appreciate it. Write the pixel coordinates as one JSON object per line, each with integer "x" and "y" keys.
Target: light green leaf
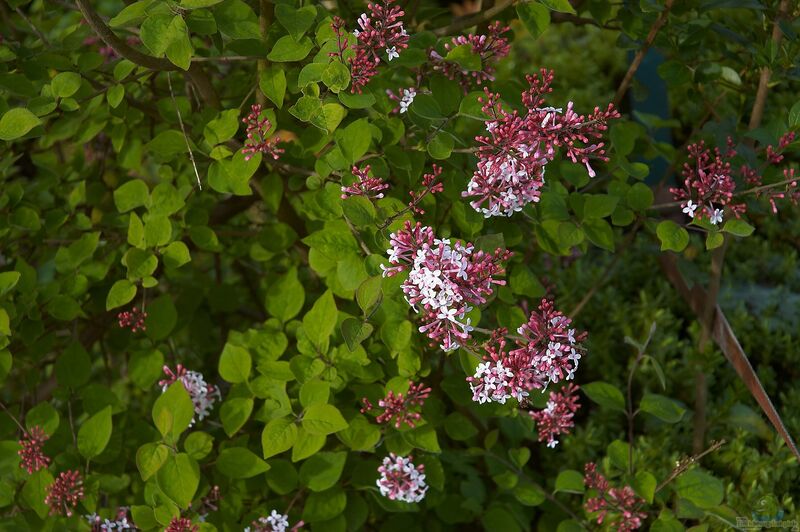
{"x": 286, "y": 49}
{"x": 673, "y": 237}
{"x": 570, "y": 481}
{"x": 322, "y": 470}
{"x": 179, "y": 478}
{"x": 663, "y": 408}
{"x": 16, "y": 123}
{"x": 534, "y": 16}
{"x": 319, "y": 322}
{"x": 278, "y": 436}
{"x": 94, "y": 434}
{"x": 234, "y": 364}
{"x": 239, "y": 462}
{"x": 66, "y": 84}
{"x": 604, "y": 394}
{"x": 121, "y": 293}
{"x": 323, "y": 419}
{"x": 150, "y": 457}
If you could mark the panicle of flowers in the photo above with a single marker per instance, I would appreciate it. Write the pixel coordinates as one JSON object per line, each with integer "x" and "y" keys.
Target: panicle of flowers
{"x": 512, "y": 157}
{"x": 445, "y": 280}
{"x": 258, "y": 140}
{"x": 120, "y": 521}
{"x": 203, "y": 395}
{"x": 64, "y": 494}
{"x": 31, "y": 454}
{"x": 490, "y": 48}
{"x": 181, "y": 524}
{"x": 431, "y": 185}
{"x": 401, "y": 480}
{"x": 621, "y": 503}
{"x": 557, "y": 417}
{"x": 369, "y": 187}
{"x": 775, "y": 156}
{"x": 708, "y": 184}
{"x": 404, "y": 99}
{"x": 789, "y": 191}
{"x": 380, "y": 34}
{"x": 274, "y": 522}
{"x": 547, "y": 351}
{"x": 399, "y": 408}
{"x": 132, "y": 319}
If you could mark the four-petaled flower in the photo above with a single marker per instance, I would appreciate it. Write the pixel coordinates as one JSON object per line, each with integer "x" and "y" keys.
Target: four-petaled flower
{"x": 689, "y": 208}
{"x": 392, "y": 53}
{"x": 401, "y": 480}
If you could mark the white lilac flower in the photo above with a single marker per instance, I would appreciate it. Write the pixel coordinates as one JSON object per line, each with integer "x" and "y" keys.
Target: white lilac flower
{"x": 716, "y": 217}
{"x": 401, "y": 480}
{"x": 689, "y": 208}
{"x": 392, "y": 52}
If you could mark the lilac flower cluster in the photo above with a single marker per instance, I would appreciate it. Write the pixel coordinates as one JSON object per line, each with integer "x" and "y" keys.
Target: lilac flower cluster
{"x": 490, "y": 48}
{"x": 548, "y": 351}
{"x": 120, "y": 522}
{"x": 557, "y": 417}
{"x": 258, "y": 140}
{"x": 512, "y": 158}
{"x": 64, "y": 494}
{"x": 445, "y": 279}
{"x": 401, "y": 480}
{"x": 399, "y": 408}
{"x": 369, "y": 187}
{"x": 622, "y": 502}
{"x": 32, "y": 457}
{"x": 274, "y": 522}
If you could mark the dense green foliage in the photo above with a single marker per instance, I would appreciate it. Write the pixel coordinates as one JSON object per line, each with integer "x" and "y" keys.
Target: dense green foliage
{"x": 123, "y": 187}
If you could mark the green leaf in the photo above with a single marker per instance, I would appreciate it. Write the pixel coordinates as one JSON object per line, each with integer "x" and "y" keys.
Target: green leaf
{"x": 94, "y": 434}
{"x": 286, "y": 49}
{"x": 663, "y": 408}
{"x": 336, "y": 76}
{"x": 360, "y": 435}
{"x": 424, "y": 438}
{"x": 700, "y": 488}
{"x": 180, "y": 49}
{"x": 150, "y": 457}
{"x": 296, "y": 21}
{"x": 173, "y": 411}
{"x": 645, "y": 485}
{"x": 237, "y": 20}
{"x": 16, "y": 123}
{"x": 66, "y": 84}
{"x": 278, "y": 436}
{"x": 161, "y": 317}
{"x": 323, "y": 419}
{"x": 441, "y": 146}
{"x": 239, "y": 462}
{"x": 8, "y": 280}
{"x": 570, "y": 481}
{"x": 522, "y": 281}
{"x": 639, "y": 197}
{"x": 599, "y": 205}
{"x": 359, "y": 210}
{"x": 285, "y": 296}
{"x": 314, "y": 392}
{"x": 599, "y": 233}
{"x": 673, "y": 237}
{"x": 738, "y": 227}
{"x": 234, "y": 413}
{"x": 43, "y": 415}
{"x": 464, "y": 57}
{"x": 324, "y": 505}
{"x": 223, "y": 127}
{"x": 562, "y": 6}
{"x": 307, "y": 445}
{"x": 534, "y": 16}
{"x": 355, "y": 331}
{"x": 132, "y": 14}
{"x": 794, "y": 115}
{"x": 197, "y": 4}
{"x": 322, "y": 471}
{"x": 175, "y": 255}
{"x": 319, "y": 322}
{"x": 272, "y": 82}
{"x": 604, "y": 394}
{"x": 529, "y": 494}
{"x": 121, "y": 293}
{"x": 234, "y": 364}
{"x": 198, "y": 445}
{"x": 35, "y": 490}
{"x": 354, "y": 140}
{"x": 714, "y": 240}
{"x": 131, "y": 195}
{"x": 179, "y": 478}
{"x": 369, "y": 294}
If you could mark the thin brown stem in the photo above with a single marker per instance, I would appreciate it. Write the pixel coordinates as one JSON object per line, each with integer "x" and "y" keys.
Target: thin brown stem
{"x": 684, "y": 464}
{"x": 183, "y": 130}
{"x": 36, "y": 30}
{"x": 637, "y": 60}
{"x": 13, "y": 417}
{"x": 757, "y": 114}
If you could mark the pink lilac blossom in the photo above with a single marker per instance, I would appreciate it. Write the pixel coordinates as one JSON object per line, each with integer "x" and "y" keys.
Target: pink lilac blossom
{"x": 32, "y": 458}
{"x": 120, "y": 522}
{"x": 64, "y": 494}
{"x": 381, "y": 32}
{"x": 557, "y": 417}
{"x": 404, "y": 99}
{"x": 258, "y": 140}
{"x": 203, "y": 395}
{"x": 444, "y": 280}
{"x": 401, "y": 480}
{"x": 274, "y": 522}
{"x": 369, "y": 187}
{"x": 400, "y": 408}
{"x": 490, "y": 48}
{"x": 132, "y": 319}
{"x": 512, "y": 157}
{"x": 181, "y": 524}
{"x": 548, "y": 351}
{"x": 622, "y": 503}
{"x": 708, "y": 184}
